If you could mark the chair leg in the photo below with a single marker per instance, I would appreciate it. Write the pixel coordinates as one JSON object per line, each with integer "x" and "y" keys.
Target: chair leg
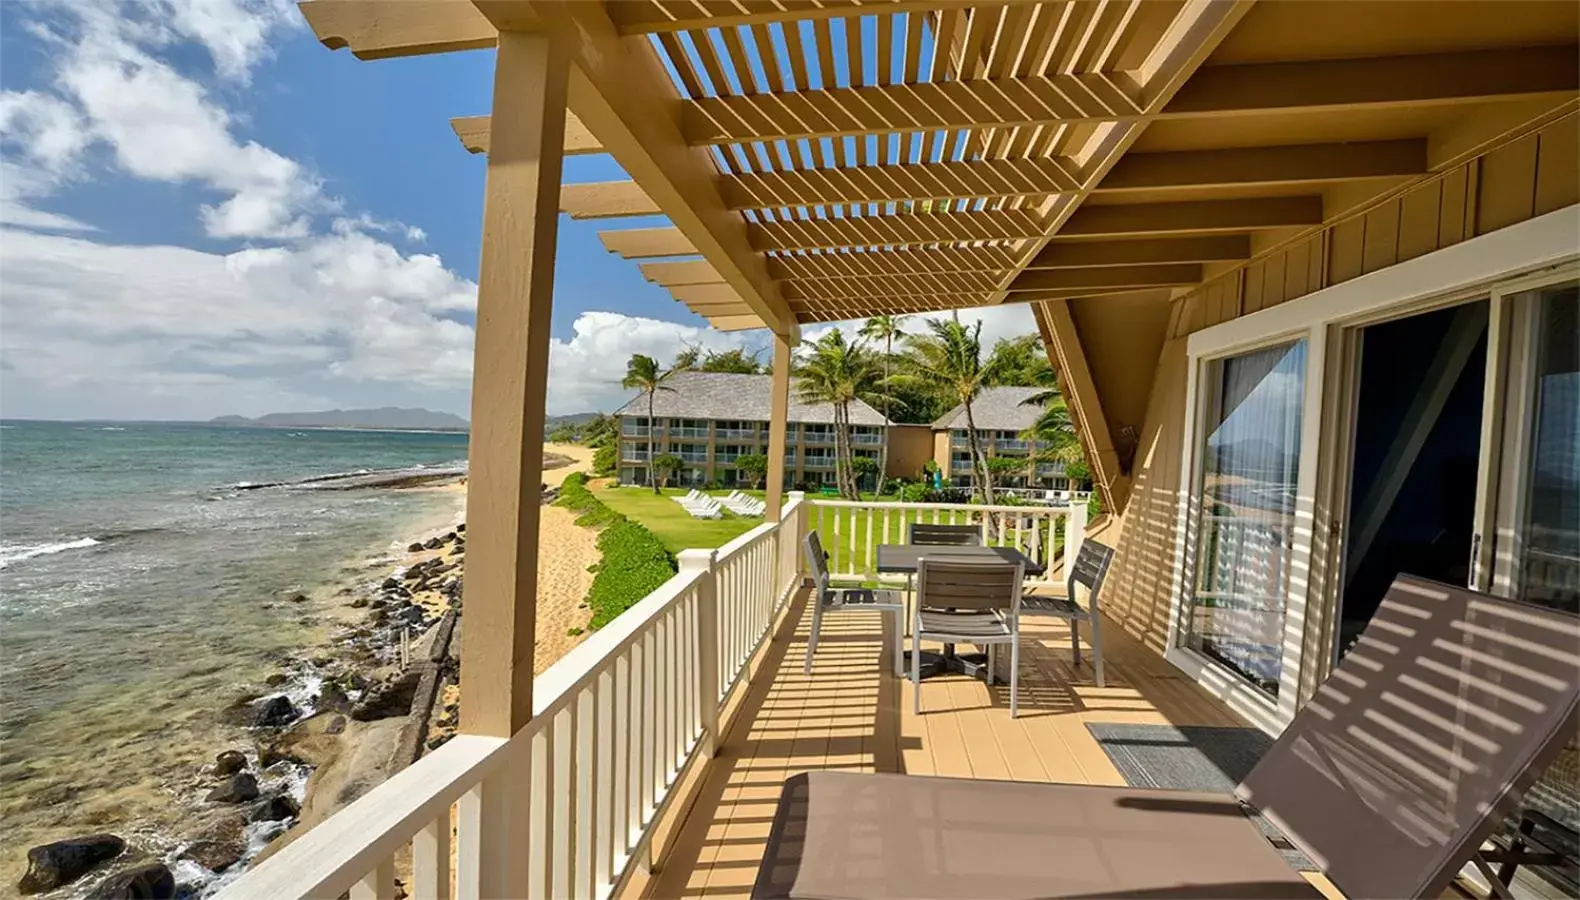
{"x": 1014, "y": 677}
{"x": 992, "y": 663}
{"x": 811, "y": 640}
{"x": 916, "y": 669}
{"x": 1075, "y": 641}
{"x": 899, "y": 642}
{"x": 1097, "y": 652}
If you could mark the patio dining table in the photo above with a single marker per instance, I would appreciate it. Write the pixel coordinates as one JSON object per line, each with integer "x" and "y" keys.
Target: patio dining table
{"x": 903, "y": 559}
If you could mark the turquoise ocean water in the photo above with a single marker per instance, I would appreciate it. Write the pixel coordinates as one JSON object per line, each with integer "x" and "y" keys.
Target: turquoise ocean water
{"x": 140, "y": 586}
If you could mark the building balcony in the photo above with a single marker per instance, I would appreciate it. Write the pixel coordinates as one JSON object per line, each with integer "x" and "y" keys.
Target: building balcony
{"x": 690, "y": 432}
{"x": 635, "y": 456}
{"x": 871, "y": 440}
{"x": 817, "y": 462}
{"x": 693, "y": 458}
{"x": 737, "y": 434}
{"x": 817, "y": 437}
{"x": 659, "y": 746}
{"x": 630, "y": 430}
{"x": 1012, "y": 445}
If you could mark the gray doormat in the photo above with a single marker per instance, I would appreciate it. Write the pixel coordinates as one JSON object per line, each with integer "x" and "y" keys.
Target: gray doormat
{"x": 1192, "y": 758}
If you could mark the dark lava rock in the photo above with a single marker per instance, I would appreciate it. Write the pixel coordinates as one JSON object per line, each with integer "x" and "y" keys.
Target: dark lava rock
{"x": 412, "y": 615}
{"x": 277, "y": 678}
{"x": 238, "y": 788}
{"x": 336, "y": 725}
{"x": 448, "y": 537}
{"x": 380, "y": 603}
{"x": 414, "y": 548}
{"x": 297, "y": 598}
{"x": 331, "y": 697}
{"x": 151, "y": 881}
{"x": 432, "y": 543}
{"x": 216, "y": 856}
{"x": 274, "y": 712}
{"x": 271, "y": 753}
{"x": 359, "y": 603}
{"x": 274, "y": 809}
{"x": 388, "y": 698}
{"x": 51, "y": 865}
{"x": 461, "y": 528}
{"x": 389, "y": 584}
{"x": 229, "y": 762}
{"x": 240, "y": 711}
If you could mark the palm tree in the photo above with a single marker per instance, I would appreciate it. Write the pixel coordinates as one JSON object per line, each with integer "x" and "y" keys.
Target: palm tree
{"x": 1054, "y": 428}
{"x": 839, "y": 373}
{"x": 643, "y": 374}
{"x": 949, "y": 359}
{"x": 886, "y": 329}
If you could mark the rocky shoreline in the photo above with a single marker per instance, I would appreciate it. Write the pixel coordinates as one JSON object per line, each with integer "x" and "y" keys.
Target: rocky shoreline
{"x": 331, "y": 723}
{"x": 331, "y": 710}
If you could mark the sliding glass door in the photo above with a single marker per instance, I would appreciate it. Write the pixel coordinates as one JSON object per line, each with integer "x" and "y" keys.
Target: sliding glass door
{"x": 1247, "y": 484}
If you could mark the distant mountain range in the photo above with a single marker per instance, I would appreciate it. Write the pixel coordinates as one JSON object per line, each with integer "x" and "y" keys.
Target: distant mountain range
{"x": 385, "y": 417}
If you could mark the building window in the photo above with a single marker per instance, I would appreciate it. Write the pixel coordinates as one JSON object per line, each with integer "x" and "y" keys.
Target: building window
{"x": 1250, "y": 459}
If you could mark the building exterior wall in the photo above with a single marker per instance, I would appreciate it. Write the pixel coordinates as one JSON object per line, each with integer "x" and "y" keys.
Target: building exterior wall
{"x": 910, "y": 447}
{"x": 1519, "y": 180}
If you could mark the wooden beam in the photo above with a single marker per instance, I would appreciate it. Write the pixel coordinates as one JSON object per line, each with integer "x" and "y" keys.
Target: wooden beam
{"x": 735, "y": 323}
{"x": 690, "y": 271}
{"x": 882, "y": 184}
{"x": 624, "y": 95}
{"x": 979, "y": 283}
{"x": 1426, "y": 79}
{"x": 647, "y": 243}
{"x": 473, "y": 132}
{"x": 778, "y": 421}
{"x": 1300, "y": 164}
{"x": 382, "y": 29}
{"x": 703, "y": 294}
{"x": 679, "y": 15}
{"x": 927, "y": 106}
{"x": 1080, "y": 393}
{"x": 895, "y": 231}
{"x": 514, "y": 305}
{"x": 1196, "y": 216}
{"x": 1108, "y": 278}
{"x": 606, "y": 200}
{"x": 1141, "y": 251}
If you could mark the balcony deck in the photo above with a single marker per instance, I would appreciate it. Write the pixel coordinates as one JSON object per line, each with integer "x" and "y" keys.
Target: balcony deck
{"x": 852, "y": 714}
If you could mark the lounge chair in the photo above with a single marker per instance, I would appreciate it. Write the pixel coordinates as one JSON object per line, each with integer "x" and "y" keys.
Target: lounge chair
{"x": 1411, "y": 753}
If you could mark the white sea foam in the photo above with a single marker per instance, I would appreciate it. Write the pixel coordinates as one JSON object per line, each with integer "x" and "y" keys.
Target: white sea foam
{"x": 14, "y": 553}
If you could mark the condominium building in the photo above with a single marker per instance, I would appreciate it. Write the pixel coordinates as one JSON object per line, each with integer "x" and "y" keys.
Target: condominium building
{"x": 711, "y": 419}
{"x": 1002, "y": 415}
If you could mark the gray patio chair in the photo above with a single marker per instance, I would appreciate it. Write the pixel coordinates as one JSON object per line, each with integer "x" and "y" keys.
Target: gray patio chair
{"x": 828, "y": 599}
{"x": 961, "y": 601}
{"x": 1091, "y": 566}
{"x": 944, "y": 535}
{"x": 1409, "y": 756}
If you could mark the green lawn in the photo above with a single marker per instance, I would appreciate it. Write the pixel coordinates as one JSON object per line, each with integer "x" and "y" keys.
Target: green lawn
{"x": 845, "y": 537}
{"x": 670, "y": 521}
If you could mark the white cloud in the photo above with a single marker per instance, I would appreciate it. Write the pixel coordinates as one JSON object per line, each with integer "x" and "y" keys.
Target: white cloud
{"x": 110, "y": 88}
{"x": 585, "y": 372}
{"x": 340, "y": 312}
{"x": 1010, "y": 320}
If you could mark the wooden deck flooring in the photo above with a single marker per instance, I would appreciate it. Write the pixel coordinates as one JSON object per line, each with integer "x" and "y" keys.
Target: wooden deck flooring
{"x": 851, "y": 713}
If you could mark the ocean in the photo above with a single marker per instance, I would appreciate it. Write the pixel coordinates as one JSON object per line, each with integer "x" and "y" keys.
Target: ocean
{"x": 145, "y": 571}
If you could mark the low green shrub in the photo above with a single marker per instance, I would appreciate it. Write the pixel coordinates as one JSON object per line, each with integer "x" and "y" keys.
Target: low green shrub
{"x": 634, "y": 562}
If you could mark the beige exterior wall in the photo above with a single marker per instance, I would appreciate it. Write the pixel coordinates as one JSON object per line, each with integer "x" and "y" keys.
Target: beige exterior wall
{"x": 1532, "y": 175}
{"x": 910, "y": 447}
{"x": 941, "y": 451}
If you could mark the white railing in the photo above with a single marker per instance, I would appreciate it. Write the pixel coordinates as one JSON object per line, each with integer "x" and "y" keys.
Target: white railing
{"x": 851, "y": 530}
{"x": 860, "y": 438}
{"x": 566, "y": 806}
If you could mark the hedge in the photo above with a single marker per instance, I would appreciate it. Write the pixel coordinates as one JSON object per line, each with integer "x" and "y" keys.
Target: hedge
{"x": 634, "y": 562}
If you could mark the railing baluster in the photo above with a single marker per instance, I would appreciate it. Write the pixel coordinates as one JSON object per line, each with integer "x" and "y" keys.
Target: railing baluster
{"x": 834, "y": 545}
{"x": 620, "y": 751}
{"x": 871, "y": 516}
{"x": 563, "y": 781}
{"x": 586, "y": 786}
{"x": 378, "y": 884}
{"x": 650, "y": 709}
{"x": 430, "y": 860}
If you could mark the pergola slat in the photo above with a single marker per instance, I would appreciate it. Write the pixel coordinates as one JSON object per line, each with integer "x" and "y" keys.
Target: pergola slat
{"x": 646, "y": 243}
{"x": 894, "y": 231}
{"x": 606, "y": 200}
{"x": 1198, "y": 216}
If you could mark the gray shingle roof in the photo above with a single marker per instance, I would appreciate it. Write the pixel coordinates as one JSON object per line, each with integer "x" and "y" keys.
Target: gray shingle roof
{"x": 723, "y": 395}
{"x": 996, "y": 409}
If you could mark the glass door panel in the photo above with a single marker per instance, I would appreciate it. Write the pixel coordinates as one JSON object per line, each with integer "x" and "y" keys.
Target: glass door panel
{"x": 1247, "y": 485}
{"x": 1548, "y": 549}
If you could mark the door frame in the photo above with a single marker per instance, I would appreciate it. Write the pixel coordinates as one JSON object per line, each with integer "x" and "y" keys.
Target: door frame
{"x": 1538, "y": 250}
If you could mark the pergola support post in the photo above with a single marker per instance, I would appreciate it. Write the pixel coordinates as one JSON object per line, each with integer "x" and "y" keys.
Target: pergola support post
{"x": 779, "y": 412}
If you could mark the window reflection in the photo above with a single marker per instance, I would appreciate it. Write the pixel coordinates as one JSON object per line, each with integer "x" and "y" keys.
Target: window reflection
{"x": 1250, "y": 462}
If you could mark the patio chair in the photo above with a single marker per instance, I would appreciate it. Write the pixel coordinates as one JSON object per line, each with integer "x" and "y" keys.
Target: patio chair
{"x": 1091, "y": 566}
{"x": 944, "y": 535}
{"x": 828, "y": 599}
{"x": 1411, "y": 753}
{"x": 960, "y": 601}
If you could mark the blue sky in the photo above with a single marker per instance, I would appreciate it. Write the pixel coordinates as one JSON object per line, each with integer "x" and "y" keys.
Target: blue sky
{"x": 203, "y": 211}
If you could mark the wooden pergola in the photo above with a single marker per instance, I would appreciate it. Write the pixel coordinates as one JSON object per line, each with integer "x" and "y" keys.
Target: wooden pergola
{"x": 824, "y": 160}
